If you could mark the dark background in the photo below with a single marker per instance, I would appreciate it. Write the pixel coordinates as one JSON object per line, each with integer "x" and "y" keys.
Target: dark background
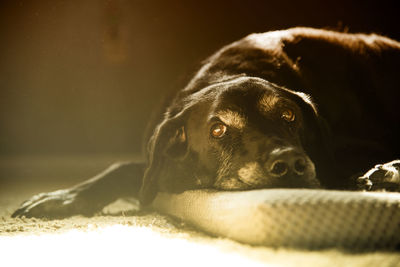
{"x": 82, "y": 77}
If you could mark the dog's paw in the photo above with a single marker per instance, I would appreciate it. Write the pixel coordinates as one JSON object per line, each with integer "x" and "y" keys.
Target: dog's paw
{"x": 381, "y": 177}
{"x": 53, "y": 205}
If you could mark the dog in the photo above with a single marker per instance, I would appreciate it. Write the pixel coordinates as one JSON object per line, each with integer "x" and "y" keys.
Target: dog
{"x": 296, "y": 108}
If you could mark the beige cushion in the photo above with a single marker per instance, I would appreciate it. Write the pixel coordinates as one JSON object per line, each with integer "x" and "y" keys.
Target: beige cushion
{"x": 291, "y": 217}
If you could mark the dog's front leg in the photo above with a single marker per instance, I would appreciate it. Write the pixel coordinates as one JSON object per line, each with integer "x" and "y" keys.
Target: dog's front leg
{"x": 119, "y": 180}
{"x": 381, "y": 177}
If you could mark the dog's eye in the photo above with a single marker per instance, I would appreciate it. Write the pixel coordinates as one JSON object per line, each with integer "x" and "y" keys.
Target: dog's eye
{"x": 288, "y": 115}
{"x": 218, "y": 130}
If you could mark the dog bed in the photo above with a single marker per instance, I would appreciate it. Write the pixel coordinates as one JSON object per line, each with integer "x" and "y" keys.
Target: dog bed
{"x": 303, "y": 218}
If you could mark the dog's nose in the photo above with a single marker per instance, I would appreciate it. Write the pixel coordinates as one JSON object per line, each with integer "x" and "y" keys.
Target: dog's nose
{"x": 286, "y": 160}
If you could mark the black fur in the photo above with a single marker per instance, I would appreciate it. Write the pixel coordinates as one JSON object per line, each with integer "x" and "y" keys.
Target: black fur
{"x": 347, "y": 109}
{"x": 342, "y": 89}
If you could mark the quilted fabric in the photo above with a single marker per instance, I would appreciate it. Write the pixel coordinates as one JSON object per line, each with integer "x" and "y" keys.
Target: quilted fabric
{"x": 292, "y": 217}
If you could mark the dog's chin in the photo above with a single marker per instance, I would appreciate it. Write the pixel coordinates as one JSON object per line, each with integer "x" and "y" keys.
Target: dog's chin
{"x": 253, "y": 176}
{"x": 236, "y": 183}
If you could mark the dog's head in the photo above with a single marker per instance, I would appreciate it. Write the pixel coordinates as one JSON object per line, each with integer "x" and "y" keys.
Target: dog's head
{"x": 242, "y": 133}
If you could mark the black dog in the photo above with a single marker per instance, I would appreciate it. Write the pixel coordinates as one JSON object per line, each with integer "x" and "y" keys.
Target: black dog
{"x": 301, "y": 108}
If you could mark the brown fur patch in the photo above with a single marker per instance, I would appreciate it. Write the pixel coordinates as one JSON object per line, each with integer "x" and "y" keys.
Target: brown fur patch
{"x": 267, "y": 102}
{"x": 232, "y": 118}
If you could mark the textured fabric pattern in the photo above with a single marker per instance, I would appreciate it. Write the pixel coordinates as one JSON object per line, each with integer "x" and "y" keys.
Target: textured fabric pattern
{"x": 292, "y": 217}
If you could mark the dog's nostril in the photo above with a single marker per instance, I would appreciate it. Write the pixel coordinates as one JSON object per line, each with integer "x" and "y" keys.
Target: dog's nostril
{"x": 300, "y": 166}
{"x": 279, "y": 168}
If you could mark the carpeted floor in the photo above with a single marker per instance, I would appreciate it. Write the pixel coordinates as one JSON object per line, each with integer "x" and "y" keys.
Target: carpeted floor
{"x": 121, "y": 236}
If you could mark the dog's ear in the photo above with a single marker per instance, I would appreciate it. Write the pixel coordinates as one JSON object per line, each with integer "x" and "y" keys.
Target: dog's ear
{"x": 169, "y": 140}
{"x": 176, "y": 147}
